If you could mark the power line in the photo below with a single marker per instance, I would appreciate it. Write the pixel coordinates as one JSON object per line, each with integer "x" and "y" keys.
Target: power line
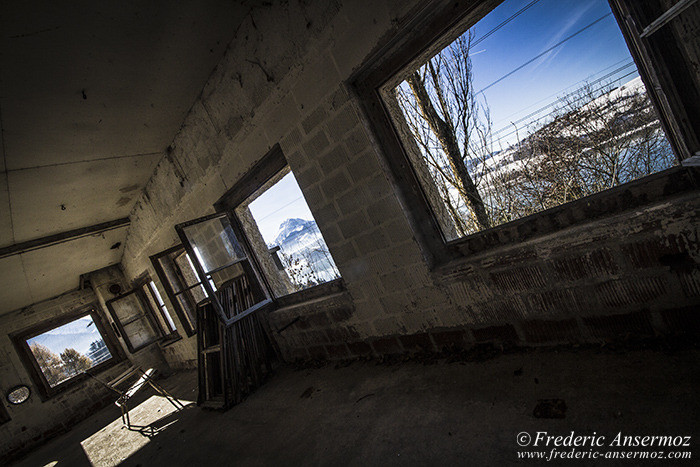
{"x": 544, "y": 116}
{"x": 280, "y": 208}
{"x": 598, "y": 80}
{"x": 507, "y": 117}
{"x": 503, "y": 23}
{"x": 544, "y": 53}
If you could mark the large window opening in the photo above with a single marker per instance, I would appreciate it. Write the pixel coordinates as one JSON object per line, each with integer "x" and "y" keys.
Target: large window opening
{"x": 68, "y": 350}
{"x": 282, "y": 229}
{"x": 57, "y": 353}
{"x": 537, "y": 104}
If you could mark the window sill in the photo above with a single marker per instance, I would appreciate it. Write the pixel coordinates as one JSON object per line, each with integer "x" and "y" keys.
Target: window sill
{"x": 320, "y": 309}
{"x": 312, "y": 293}
{"x": 632, "y": 195}
{"x": 74, "y": 382}
{"x": 170, "y": 340}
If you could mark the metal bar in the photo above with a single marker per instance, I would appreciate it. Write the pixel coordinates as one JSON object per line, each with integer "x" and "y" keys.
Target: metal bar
{"x": 666, "y": 17}
{"x": 62, "y": 237}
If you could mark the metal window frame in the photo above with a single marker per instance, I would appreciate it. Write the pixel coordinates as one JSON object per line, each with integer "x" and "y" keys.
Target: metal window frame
{"x": 205, "y": 276}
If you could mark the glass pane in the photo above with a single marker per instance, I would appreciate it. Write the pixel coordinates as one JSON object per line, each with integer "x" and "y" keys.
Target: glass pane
{"x": 537, "y": 104}
{"x": 139, "y": 332}
{"x": 130, "y": 313}
{"x": 68, "y": 350}
{"x": 214, "y": 243}
{"x": 290, "y": 236}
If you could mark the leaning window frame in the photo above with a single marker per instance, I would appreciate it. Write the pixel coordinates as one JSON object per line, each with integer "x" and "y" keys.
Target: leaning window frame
{"x": 428, "y": 29}
{"x": 45, "y": 390}
{"x": 264, "y": 170}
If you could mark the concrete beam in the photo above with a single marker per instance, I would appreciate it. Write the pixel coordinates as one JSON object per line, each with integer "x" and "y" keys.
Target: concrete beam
{"x": 54, "y": 239}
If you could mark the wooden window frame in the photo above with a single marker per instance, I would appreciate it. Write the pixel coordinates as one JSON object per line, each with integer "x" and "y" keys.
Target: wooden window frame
{"x": 149, "y": 313}
{"x": 189, "y": 324}
{"x": 45, "y": 390}
{"x": 264, "y": 170}
{"x": 430, "y": 27}
{"x": 169, "y": 334}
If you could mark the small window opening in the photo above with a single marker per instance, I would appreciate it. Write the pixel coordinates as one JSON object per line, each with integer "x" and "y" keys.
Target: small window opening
{"x": 281, "y": 228}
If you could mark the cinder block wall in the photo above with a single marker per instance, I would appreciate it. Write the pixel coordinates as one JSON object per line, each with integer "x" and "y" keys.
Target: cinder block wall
{"x": 35, "y": 420}
{"x": 283, "y": 81}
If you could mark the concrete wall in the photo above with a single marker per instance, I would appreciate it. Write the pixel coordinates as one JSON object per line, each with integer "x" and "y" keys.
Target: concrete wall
{"x": 283, "y": 81}
{"x": 37, "y": 420}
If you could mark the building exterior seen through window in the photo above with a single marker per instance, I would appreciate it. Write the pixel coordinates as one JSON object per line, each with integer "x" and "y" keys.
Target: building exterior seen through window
{"x": 537, "y": 104}
{"x": 68, "y": 350}
{"x": 278, "y": 217}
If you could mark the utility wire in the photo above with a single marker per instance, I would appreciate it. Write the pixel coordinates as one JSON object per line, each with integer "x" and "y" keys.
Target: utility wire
{"x": 558, "y": 93}
{"x": 566, "y": 96}
{"x": 506, "y": 21}
{"x": 544, "y": 53}
{"x": 544, "y": 116}
{"x": 280, "y": 208}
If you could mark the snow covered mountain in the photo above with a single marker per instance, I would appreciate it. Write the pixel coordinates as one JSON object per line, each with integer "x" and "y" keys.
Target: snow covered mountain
{"x": 296, "y": 233}
{"x": 300, "y": 240}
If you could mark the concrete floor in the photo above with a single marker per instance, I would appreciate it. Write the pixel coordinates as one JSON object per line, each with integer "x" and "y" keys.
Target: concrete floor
{"x": 409, "y": 413}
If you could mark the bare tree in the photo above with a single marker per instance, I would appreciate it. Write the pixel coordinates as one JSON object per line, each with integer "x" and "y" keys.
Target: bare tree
{"x": 441, "y": 110}
{"x": 74, "y": 362}
{"x": 50, "y": 364}
{"x": 598, "y": 138}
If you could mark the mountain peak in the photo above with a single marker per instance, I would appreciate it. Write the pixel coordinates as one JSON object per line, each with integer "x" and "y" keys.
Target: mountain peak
{"x": 290, "y": 227}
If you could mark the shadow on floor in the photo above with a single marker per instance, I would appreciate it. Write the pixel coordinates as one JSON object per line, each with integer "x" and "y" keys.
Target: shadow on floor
{"x": 410, "y": 413}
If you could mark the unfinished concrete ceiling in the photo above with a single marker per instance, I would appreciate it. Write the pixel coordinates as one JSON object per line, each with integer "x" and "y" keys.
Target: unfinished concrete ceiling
{"x": 91, "y": 94}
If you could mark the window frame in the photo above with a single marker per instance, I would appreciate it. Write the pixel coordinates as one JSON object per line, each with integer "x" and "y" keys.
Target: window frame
{"x": 45, "y": 390}
{"x": 427, "y": 30}
{"x": 189, "y": 324}
{"x": 264, "y": 170}
{"x": 168, "y": 335}
{"x": 149, "y": 313}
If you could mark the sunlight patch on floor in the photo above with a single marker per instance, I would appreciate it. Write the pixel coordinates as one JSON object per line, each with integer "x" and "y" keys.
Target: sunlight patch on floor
{"x": 114, "y": 443}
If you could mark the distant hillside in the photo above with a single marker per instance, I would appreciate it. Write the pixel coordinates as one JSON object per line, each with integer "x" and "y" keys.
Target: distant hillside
{"x": 78, "y": 334}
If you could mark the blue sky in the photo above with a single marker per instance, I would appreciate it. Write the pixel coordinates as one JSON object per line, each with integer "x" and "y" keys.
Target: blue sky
{"x": 598, "y": 50}
{"x": 284, "y": 200}
{"x": 78, "y": 334}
